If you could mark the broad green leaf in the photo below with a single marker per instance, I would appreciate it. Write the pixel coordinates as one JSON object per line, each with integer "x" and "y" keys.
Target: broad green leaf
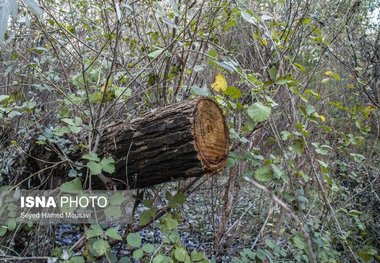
{"x": 134, "y": 239}
{"x": 273, "y": 73}
{"x": 200, "y": 91}
{"x": 3, "y": 97}
{"x": 125, "y": 260}
{"x": 101, "y": 247}
{"x": 358, "y": 157}
{"x": 137, "y": 254}
{"x": 180, "y": 254}
{"x": 168, "y": 223}
{"x": 112, "y": 233}
{"x": 113, "y": 212}
{"x": 248, "y": 17}
{"x": 298, "y": 146}
{"x": 108, "y": 165}
{"x": 306, "y": 20}
{"x": 95, "y": 168}
{"x": 3, "y": 231}
{"x": 285, "y": 135}
{"x": 147, "y": 215}
{"x": 233, "y": 92}
{"x": 75, "y": 129}
{"x": 298, "y": 242}
{"x": 94, "y": 231}
{"x": 264, "y": 174}
{"x": 117, "y": 198}
{"x": 77, "y": 259}
{"x": 177, "y": 200}
{"x": 72, "y": 186}
{"x": 158, "y": 259}
{"x": 11, "y": 224}
{"x": 69, "y": 121}
{"x": 91, "y": 157}
{"x": 259, "y": 112}
{"x": 197, "y": 256}
{"x": 155, "y": 53}
{"x": 300, "y": 67}
{"x": 148, "y": 248}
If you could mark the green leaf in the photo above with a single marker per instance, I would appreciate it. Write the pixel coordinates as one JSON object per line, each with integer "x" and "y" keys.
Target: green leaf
{"x": 75, "y": 129}
{"x": 113, "y": 212}
{"x": 124, "y": 260}
{"x": 108, "y": 165}
{"x": 11, "y": 224}
{"x": 213, "y": 53}
{"x": 77, "y": 259}
{"x": 264, "y": 174}
{"x": 147, "y": 215}
{"x": 94, "y": 231}
{"x": 158, "y": 259}
{"x": 299, "y": 66}
{"x": 117, "y": 198}
{"x": 91, "y": 157}
{"x": 285, "y": 135}
{"x": 69, "y": 121}
{"x": 134, "y": 239}
{"x": 259, "y": 112}
{"x": 197, "y": 256}
{"x": 72, "y": 186}
{"x": 299, "y": 242}
{"x": 3, "y": 97}
{"x": 298, "y": 146}
{"x": 3, "y": 230}
{"x": 233, "y": 92}
{"x": 200, "y": 91}
{"x": 306, "y": 20}
{"x": 101, "y": 247}
{"x": 138, "y": 254}
{"x": 247, "y": 17}
{"x": 177, "y": 200}
{"x": 180, "y": 254}
{"x": 112, "y": 233}
{"x": 155, "y": 53}
{"x": 168, "y": 223}
{"x": 95, "y": 168}
{"x": 273, "y": 73}
{"x": 148, "y": 248}
{"x": 358, "y": 157}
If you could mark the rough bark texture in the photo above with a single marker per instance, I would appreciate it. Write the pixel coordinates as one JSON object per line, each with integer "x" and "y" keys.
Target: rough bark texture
{"x": 180, "y": 141}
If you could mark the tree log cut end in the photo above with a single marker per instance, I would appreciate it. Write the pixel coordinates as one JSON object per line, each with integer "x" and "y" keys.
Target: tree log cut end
{"x": 210, "y": 134}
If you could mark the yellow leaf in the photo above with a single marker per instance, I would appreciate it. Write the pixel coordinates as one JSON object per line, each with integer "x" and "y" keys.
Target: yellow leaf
{"x": 323, "y": 118}
{"x": 332, "y": 75}
{"x": 368, "y": 110}
{"x": 220, "y": 83}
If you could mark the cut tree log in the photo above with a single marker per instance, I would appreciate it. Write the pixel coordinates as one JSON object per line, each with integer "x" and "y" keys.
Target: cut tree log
{"x": 179, "y": 141}
{"x": 184, "y": 140}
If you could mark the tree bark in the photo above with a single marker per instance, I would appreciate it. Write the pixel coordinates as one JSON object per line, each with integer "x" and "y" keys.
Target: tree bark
{"x": 184, "y": 140}
{"x": 179, "y": 141}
